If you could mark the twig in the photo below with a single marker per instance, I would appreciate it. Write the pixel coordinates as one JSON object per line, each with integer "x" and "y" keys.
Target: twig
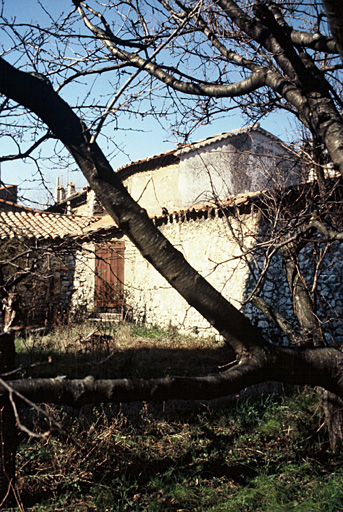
{"x": 21, "y": 368}
{"x": 19, "y": 423}
{"x": 12, "y": 391}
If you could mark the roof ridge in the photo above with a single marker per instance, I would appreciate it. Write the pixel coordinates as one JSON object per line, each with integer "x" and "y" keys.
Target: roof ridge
{"x": 184, "y": 148}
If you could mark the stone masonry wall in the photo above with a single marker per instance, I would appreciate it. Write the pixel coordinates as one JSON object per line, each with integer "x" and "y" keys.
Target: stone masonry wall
{"x": 211, "y": 244}
{"x": 214, "y": 246}
{"x": 82, "y": 298}
{"x": 328, "y": 297}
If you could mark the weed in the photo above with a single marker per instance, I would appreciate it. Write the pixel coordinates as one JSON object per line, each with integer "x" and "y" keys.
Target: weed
{"x": 263, "y": 453}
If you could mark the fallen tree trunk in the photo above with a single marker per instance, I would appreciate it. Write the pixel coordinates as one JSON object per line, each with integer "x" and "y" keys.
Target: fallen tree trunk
{"x": 313, "y": 366}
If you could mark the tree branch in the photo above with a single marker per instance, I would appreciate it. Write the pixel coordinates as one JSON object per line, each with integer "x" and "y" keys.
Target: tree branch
{"x": 317, "y": 367}
{"x": 335, "y": 20}
{"x": 250, "y": 84}
{"x": 278, "y": 319}
{"x": 25, "y": 154}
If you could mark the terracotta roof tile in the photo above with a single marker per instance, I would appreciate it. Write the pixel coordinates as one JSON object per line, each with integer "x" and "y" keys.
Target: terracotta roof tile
{"x": 43, "y": 226}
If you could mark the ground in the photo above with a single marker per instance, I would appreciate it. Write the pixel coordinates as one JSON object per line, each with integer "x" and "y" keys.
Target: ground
{"x": 258, "y": 452}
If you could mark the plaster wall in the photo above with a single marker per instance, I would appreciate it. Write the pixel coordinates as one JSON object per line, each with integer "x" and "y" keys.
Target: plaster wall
{"x": 156, "y": 189}
{"x": 211, "y": 246}
{"x": 244, "y": 163}
{"x": 241, "y": 163}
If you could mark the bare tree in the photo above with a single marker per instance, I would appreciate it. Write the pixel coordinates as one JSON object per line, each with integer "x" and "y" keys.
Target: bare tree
{"x": 251, "y": 53}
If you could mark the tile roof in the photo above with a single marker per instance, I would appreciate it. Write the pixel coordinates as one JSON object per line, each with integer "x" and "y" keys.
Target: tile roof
{"x": 43, "y": 226}
{"x": 173, "y": 155}
{"x": 9, "y": 205}
{"x": 55, "y": 226}
{"x": 105, "y": 225}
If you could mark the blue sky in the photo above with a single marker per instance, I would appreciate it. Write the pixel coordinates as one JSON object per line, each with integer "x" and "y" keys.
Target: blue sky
{"x": 147, "y": 140}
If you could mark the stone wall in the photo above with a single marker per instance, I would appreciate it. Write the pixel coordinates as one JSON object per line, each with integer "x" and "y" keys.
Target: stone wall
{"x": 219, "y": 245}
{"x": 211, "y": 244}
{"x": 327, "y": 294}
{"x": 44, "y": 293}
{"x": 219, "y": 248}
{"x": 82, "y": 297}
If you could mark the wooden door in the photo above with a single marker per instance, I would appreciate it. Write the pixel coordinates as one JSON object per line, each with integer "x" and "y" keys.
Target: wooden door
{"x": 109, "y": 275}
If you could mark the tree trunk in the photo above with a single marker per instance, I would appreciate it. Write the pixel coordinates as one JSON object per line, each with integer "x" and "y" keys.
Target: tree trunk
{"x": 8, "y": 431}
{"x": 333, "y": 410}
{"x": 303, "y": 308}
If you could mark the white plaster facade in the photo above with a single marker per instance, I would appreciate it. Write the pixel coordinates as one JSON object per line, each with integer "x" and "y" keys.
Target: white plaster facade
{"x": 232, "y": 163}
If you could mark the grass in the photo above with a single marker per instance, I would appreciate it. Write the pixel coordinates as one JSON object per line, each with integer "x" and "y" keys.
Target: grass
{"x": 263, "y": 453}
{"x": 123, "y": 351}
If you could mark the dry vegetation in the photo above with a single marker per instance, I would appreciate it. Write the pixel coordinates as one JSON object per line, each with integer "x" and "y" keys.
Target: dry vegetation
{"x": 123, "y": 351}
{"x": 253, "y": 453}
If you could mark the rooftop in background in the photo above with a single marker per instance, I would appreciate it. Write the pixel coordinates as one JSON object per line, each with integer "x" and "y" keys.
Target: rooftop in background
{"x": 68, "y": 200}
{"x": 173, "y": 156}
{"x": 9, "y": 198}
{"x": 43, "y": 226}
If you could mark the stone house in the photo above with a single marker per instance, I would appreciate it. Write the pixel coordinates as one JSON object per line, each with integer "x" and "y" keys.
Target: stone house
{"x": 206, "y": 199}
{"x": 203, "y": 197}
{"x": 39, "y": 255}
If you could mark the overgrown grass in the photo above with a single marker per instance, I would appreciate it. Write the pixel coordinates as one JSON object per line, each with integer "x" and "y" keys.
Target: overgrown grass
{"x": 254, "y": 453}
{"x": 127, "y": 350}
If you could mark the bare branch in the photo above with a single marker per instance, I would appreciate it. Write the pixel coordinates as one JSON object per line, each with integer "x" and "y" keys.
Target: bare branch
{"x": 134, "y": 75}
{"x": 278, "y": 319}
{"x": 21, "y": 155}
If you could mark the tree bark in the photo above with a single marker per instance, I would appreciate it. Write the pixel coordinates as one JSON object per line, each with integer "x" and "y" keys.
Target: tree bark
{"x": 335, "y": 20}
{"x": 8, "y": 430}
{"x": 333, "y": 410}
{"x": 312, "y": 366}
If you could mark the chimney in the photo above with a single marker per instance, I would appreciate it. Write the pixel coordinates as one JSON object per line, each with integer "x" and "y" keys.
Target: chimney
{"x": 60, "y": 193}
{"x": 91, "y": 202}
{"x": 70, "y": 189}
{"x": 56, "y": 197}
{"x": 9, "y": 193}
{"x": 94, "y": 206}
